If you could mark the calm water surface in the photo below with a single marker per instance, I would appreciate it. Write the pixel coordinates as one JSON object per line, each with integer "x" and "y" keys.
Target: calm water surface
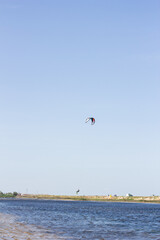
{"x": 88, "y": 220}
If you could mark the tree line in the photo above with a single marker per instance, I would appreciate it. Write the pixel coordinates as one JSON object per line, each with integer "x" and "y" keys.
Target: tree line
{"x": 9, "y": 194}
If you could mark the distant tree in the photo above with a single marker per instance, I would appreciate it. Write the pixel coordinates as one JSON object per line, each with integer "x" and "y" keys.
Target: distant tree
{"x": 1, "y": 193}
{"x": 9, "y": 194}
{"x": 15, "y": 194}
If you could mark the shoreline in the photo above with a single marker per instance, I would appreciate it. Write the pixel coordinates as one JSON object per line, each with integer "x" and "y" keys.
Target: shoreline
{"x": 130, "y": 199}
{"x": 11, "y": 228}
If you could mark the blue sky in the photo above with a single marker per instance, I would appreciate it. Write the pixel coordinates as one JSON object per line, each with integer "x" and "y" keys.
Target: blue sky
{"x": 62, "y": 61}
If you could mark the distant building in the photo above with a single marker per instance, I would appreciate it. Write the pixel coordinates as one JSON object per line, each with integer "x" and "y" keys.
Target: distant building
{"x": 129, "y": 195}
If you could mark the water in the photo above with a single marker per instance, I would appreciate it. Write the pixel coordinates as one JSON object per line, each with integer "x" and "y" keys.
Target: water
{"x": 88, "y": 220}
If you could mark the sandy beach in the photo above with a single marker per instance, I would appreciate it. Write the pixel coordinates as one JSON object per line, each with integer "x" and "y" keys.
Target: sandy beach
{"x": 10, "y": 228}
{"x": 109, "y": 198}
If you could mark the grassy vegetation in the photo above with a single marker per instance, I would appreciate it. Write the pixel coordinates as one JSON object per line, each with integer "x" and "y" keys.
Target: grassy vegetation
{"x": 149, "y": 199}
{"x": 8, "y": 195}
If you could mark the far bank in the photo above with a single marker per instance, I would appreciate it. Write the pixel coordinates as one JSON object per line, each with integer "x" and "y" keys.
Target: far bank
{"x": 138, "y": 199}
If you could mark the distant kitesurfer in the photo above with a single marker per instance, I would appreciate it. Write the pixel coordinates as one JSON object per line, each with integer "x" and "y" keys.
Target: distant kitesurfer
{"x": 77, "y": 191}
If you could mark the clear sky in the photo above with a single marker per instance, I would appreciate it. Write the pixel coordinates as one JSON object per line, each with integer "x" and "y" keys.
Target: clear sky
{"x": 63, "y": 61}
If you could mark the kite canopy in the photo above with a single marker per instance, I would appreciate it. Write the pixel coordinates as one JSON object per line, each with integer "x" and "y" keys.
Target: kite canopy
{"x": 92, "y": 120}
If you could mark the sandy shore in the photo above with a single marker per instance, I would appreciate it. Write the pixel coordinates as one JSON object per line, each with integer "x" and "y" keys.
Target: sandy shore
{"x": 110, "y": 198}
{"x": 11, "y": 229}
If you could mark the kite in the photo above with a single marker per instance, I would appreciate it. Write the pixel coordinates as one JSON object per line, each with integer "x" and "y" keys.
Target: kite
{"x": 92, "y": 120}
